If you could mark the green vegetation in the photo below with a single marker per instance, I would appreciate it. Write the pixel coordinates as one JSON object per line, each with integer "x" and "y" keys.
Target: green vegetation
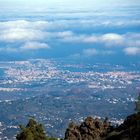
{"x": 33, "y": 131}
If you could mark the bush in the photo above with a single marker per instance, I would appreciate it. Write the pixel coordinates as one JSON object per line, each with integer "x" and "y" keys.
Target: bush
{"x": 33, "y": 131}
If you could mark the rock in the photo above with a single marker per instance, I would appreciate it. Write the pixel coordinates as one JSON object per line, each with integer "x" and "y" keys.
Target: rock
{"x": 72, "y": 133}
{"x": 90, "y": 129}
{"x": 95, "y": 129}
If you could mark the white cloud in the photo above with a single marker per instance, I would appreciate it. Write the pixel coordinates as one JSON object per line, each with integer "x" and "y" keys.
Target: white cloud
{"x": 13, "y": 31}
{"x": 14, "y": 35}
{"x": 21, "y": 30}
{"x": 132, "y": 51}
{"x": 107, "y": 40}
{"x": 91, "y": 39}
{"x": 63, "y": 34}
{"x": 89, "y": 23}
{"x": 112, "y": 39}
{"x": 34, "y": 46}
{"x": 23, "y": 24}
{"x": 8, "y": 49}
{"x": 90, "y": 52}
{"x": 31, "y": 33}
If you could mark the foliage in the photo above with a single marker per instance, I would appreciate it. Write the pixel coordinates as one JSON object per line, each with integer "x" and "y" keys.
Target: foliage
{"x": 33, "y": 131}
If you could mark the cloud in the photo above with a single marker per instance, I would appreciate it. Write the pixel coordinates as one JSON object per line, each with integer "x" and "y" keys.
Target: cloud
{"x": 106, "y": 40}
{"x": 9, "y": 49}
{"x": 91, "y": 39}
{"x": 132, "y": 51}
{"x": 90, "y": 52}
{"x": 21, "y": 30}
{"x": 93, "y": 52}
{"x": 29, "y": 34}
{"x": 109, "y": 39}
{"x": 112, "y": 39}
{"x": 23, "y": 24}
{"x": 21, "y": 35}
{"x": 34, "y": 46}
{"x": 63, "y": 34}
{"x": 89, "y": 23}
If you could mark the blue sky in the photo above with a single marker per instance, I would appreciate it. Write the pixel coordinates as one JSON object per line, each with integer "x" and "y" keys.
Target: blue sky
{"x": 82, "y": 29}
{"x": 72, "y": 3}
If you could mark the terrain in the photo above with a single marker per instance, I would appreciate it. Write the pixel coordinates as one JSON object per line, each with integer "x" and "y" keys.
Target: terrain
{"x": 57, "y": 91}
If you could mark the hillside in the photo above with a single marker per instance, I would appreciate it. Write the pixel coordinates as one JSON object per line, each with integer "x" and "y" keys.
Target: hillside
{"x": 95, "y": 129}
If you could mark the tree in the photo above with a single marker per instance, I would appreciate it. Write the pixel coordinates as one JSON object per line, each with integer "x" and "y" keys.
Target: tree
{"x": 138, "y": 104}
{"x": 33, "y": 131}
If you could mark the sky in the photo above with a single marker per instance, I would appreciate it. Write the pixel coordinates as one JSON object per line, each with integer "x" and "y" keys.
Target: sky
{"x": 54, "y": 2}
{"x": 93, "y": 30}
{"x": 65, "y": 4}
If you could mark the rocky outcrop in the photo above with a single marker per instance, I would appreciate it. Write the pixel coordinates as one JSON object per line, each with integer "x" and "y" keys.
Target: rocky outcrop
{"x": 95, "y": 129}
{"x": 90, "y": 129}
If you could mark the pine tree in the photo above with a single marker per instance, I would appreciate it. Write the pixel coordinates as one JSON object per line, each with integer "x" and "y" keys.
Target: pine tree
{"x": 32, "y": 131}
